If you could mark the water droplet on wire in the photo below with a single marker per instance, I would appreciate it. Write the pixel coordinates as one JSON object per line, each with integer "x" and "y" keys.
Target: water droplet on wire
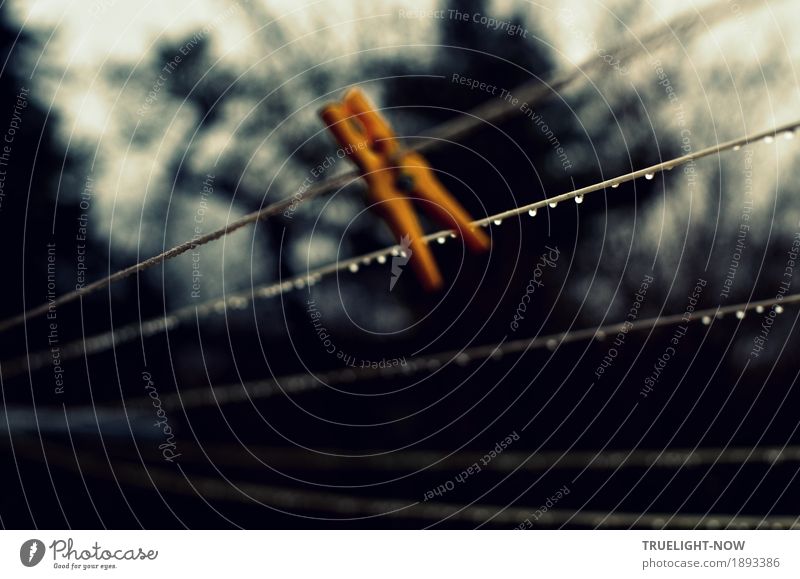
{"x": 649, "y": 176}
{"x": 353, "y": 267}
{"x": 381, "y": 259}
{"x": 769, "y": 139}
{"x": 778, "y": 309}
{"x": 706, "y": 320}
{"x": 759, "y": 309}
{"x": 614, "y": 185}
{"x": 579, "y": 199}
{"x": 440, "y": 240}
{"x": 740, "y": 315}
{"x": 237, "y": 302}
{"x": 553, "y": 204}
{"x": 266, "y": 292}
{"x": 497, "y": 221}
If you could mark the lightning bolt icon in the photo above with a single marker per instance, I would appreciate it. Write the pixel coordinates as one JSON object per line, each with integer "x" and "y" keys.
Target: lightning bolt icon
{"x": 34, "y": 548}
{"x": 399, "y": 261}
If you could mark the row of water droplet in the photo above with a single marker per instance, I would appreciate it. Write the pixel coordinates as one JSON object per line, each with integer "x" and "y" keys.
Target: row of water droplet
{"x": 740, "y": 314}
{"x": 354, "y": 265}
{"x": 787, "y": 135}
{"x": 275, "y": 289}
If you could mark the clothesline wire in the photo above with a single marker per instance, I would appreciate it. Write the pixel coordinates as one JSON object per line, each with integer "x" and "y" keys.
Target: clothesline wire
{"x": 531, "y": 92}
{"x": 234, "y": 455}
{"x": 237, "y": 300}
{"x": 299, "y": 383}
{"x": 293, "y": 501}
{"x": 79, "y": 419}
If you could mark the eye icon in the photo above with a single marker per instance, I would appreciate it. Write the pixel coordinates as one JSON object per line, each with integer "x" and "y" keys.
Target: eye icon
{"x": 31, "y": 553}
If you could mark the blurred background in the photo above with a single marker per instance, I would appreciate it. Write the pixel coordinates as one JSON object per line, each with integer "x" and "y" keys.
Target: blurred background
{"x": 136, "y": 126}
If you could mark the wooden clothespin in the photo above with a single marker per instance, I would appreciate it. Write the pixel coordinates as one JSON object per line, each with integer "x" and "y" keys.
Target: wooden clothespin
{"x": 394, "y": 176}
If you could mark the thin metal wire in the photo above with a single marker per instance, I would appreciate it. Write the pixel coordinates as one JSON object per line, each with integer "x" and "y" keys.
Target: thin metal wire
{"x": 490, "y": 112}
{"x": 534, "y": 91}
{"x": 112, "y": 422}
{"x": 240, "y": 300}
{"x": 293, "y": 501}
{"x": 311, "y": 501}
{"x": 234, "y": 455}
{"x": 299, "y": 383}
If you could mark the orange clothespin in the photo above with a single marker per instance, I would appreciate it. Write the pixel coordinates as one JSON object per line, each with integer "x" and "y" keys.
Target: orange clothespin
{"x": 394, "y": 175}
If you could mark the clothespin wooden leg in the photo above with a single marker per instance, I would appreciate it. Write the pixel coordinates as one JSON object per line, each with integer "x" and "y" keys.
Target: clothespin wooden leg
{"x": 442, "y": 205}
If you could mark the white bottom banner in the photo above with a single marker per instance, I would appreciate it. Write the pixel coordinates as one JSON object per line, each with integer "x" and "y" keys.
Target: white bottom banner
{"x": 400, "y": 554}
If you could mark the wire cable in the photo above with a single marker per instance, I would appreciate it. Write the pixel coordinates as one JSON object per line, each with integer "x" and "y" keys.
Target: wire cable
{"x": 355, "y": 508}
{"x": 299, "y": 383}
{"x": 531, "y": 92}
